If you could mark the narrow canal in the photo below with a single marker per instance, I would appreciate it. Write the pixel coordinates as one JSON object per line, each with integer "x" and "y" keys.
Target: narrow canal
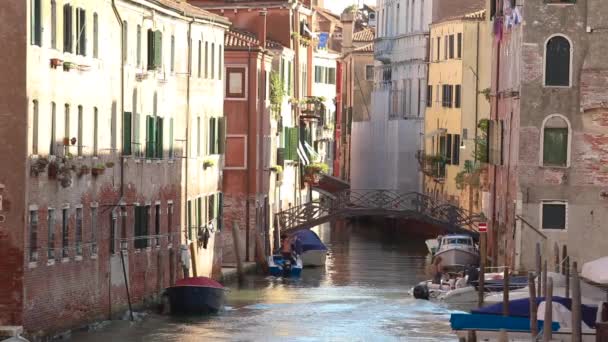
{"x": 361, "y": 295}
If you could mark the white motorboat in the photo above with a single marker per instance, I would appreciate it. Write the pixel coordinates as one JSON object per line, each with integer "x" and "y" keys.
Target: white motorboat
{"x": 432, "y": 245}
{"x": 457, "y": 252}
{"x": 311, "y": 248}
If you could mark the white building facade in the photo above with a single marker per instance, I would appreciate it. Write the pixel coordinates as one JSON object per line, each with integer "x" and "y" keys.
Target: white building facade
{"x": 384, "y": 148}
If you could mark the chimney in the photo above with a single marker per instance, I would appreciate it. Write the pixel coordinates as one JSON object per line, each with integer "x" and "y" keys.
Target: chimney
{"x": 347, "y": 20}
{"x": 263, "y": 31}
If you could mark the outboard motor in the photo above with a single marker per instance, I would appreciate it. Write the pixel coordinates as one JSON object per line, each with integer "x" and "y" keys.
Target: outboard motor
{"x": 421, "y": 291}
{"x": 286, "y": 268}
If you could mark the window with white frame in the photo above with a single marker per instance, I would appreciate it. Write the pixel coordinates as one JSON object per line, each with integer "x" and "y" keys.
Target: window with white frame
{"x": 33, "y": 231}
{"x": 557, "y": 61}
{"x": 555, "y": 141}
{"x": 554, "y": 215}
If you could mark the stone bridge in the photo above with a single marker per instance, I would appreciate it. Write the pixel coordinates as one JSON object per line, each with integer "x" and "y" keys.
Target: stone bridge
{"x": 379, "y": 203}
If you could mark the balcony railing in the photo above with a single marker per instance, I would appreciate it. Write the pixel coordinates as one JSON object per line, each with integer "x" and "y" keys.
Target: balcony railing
{"x": 383, "y": 48}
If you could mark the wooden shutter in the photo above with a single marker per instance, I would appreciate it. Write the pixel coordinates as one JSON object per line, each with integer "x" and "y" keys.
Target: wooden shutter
{"x": 222, "y": 135}
{"x": 150, "y": 50}
{"x": 448, "y": 149}
{"x": 220, "y": 221}
{"x": 281, "y": 156}
{"x": 557, "y": 70}
{"x": 150, "y": 137}
{"x": 457, "y": 96}
{"x": 555, "y": 146}
{"x": 158, "y": 49}
{"x": 189, "y": 220}
{"x": 126, "y": 134}
{"x": 294, "y": 139}
{"x": 171, "y": 138}
{"x": 216, "y": 135}
{"x": 212, "y": 135}
{"x": 81, "y": 32}
{"x": 456, "y": 154}
{"x": 67, "y": 28}
{"x": 159, "y": 137}
{"x": 36, "y": 23}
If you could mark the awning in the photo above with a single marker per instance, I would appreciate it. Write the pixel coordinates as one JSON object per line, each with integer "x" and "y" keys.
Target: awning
{"x": 439, "y": 131}
{"x": 302, "y": 154}
{"x": 311, "y": 151}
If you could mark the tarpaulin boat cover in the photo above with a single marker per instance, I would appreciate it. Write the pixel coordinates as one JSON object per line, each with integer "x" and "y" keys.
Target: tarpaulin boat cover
{"x": 596, "y": 271}
{"x": 199, "y": 281}
{"x": 307, "y": 240}
{"x": 521, "y": 308}
{"x": 493, "y": 323}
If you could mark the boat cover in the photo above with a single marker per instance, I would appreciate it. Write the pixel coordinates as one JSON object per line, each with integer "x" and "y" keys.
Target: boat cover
{"x": 199, "y": 281}
{"x": 596, "y": 271}
{"x": 521, "y": 308}
{"x": 479, "y": 322}
{"x": 307, "y": 240}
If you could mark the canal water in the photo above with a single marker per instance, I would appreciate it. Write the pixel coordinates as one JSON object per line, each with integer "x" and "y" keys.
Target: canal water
{"x": 361, "y": 295}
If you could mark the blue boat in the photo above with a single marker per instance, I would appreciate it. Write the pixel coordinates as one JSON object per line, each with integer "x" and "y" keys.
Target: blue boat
{"x": 310, "y": 247}
{"x": 196, "y": 296}
{"x": 280, "y": 267}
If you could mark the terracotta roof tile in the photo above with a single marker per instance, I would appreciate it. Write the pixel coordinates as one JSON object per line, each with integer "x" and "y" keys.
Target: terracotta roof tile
{"x": 365, "y": 48}
{"x": 243, "y": 39}
{"x": 186, "y": 8}
{"x": 365, "y": 35}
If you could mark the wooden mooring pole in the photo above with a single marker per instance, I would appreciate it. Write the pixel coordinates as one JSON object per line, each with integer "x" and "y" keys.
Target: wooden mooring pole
{"x": 533, "y": 306}
{"x": 566, "y": 269}
{"x": 539, "y": 271}
{"x": 556, "y": 253}
{"x": 482, "y": 265}
{"x": 545, "y": 278}
{"x": 505, "y": 292}
{"x": 577, "y": 314}
{"x": 237, "y": 250}
{"x": 564, "y": 257}
{"x": 548, "y": 323}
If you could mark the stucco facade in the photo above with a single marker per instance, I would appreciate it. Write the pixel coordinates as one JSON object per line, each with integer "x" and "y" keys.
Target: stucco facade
{"x": 534, "y": 199}
{"x": 98, "y": 143}
{"x": 458, "y": 73}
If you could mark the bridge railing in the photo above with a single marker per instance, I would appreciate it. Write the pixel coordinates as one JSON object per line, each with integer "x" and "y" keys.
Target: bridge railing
{"x": 351, "y": 201}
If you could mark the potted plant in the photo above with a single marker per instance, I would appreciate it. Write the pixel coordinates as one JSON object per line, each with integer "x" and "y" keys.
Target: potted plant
{"x": 208, "y": 163}
{"x": 312, "y": 172}
{"x": 66, "y": 141}
{"x": 39, "y": 165}
{"x": 84, "y": 170}
{"x": 73, "y": 141}
{"x": 277, "y": 169}
{"x": 109, "y": 164}
{"x": 98, "y": 169}
{"x": 52, "y": 170}
{"x": 64, "y": 175}
{"x": 55, "y": 62}
{"x": 67, "y": 66}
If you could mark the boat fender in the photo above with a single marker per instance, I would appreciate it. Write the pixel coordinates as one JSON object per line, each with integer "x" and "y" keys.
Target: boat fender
{"x": 421, "y": 292}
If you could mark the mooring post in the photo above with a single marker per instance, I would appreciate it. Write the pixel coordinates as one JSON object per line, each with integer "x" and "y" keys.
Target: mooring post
{"x": 566, "y": 269}
{"x": 577, "y": 314}
{"x": 533, "y": 306}
{"x": 564, "y": 256}
{"x": 482, "y": 265}
{"x": 539, "y": 270}
{"x": 548, "y": 323}
{"x": 556, "y": 253}
{"x": 505, "y": 292}
{"x": 124, "y": 273}
{"x": 545, "y": 278}
{"x": 237, "y": 250}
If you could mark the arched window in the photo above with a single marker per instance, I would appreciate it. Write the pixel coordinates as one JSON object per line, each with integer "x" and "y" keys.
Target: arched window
{"x": 557, "y": 62}
{"x": 556, "y": 141}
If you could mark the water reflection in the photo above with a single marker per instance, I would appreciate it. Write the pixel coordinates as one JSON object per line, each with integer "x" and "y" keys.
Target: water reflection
{"x": 361, "y": 295}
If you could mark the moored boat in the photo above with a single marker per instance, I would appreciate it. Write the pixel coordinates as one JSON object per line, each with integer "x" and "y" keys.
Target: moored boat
{"x": 310, "y": 247}
{"x": 432, "y": 245}
{"x": 457, "y": 252}
{"x": 281, "y": 267}
{"x": 196, "y": 296}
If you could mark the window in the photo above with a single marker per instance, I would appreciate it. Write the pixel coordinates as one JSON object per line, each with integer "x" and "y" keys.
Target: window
{"x": 451, "y": 47}
{"x": 200, "y": 58}
{"x": 446, "y": 47}
{"x": 555, "y": 141}
{"x": 369, "y": 72}
{"x": 64, "y": 233}
{"x": 141, "y": 226}
{"x": 36, "y": 23}
{"x": 53, "y": 24}
{"x": 35, "y": 127}
{"x": 189, "y": 219}
{"x": 95, "y": 130}
{"x": 448, "y": 149}
{"x": 135, "y": 143}
{"x": 429, "y": 96}
{"x": 67, "y": 28}
{"x": 157, "y": 223}
{"x": 155, "y": 50}
{"x": 447, "y": 95}
{"x": 318, "y": 74}
{"x": 171, "y": 153}
{"x": 139, "y": 45}
{"x": 221, "y": 135}
{"x": 66, "y": 122}
{"x": 331, "y": 75}
{"x": 198, "y": 136}
{"x": 154, "y": 137}
{"x": 95, "y": 35}
{"x": 457, "y": 96}
{"x": 557, "y": 62}
{"x": 459, "y": 46}
{"x": 113, "y": 225}
{"x": 80, "y": 136}
{"x": 50, "y": 220}
{"x": 213, "y": 139}
{"x": 78, "y": 231}
{"x": 125, "y": 42}
{"x": 438, "y": 47}
{"x": 172, "y": 53}
{"x": 33, "y": 230}
{"x": 126, "y": 134}
{"x": 52, "y": 146}
{"x": 212, "y": 60}
{"x": 81, "y": 33}
{"x": 206, "y": 59}
{"x": 553, "y": 215}
{"x": 170, "y": 222}
{"x": 235, "y": 83}
{"x": 93, "y": 230}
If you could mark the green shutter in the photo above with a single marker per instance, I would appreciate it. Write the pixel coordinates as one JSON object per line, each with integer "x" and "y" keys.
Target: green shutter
{"x": 126, "y": 134}
{"x": 217, "y": 134}
{"x": 555, "y": 146}
{"x": 222, "y": 135}
{"x": 220, "y": 221}
{"x": 159, "y": 138}
{"x": 189, "y": 220}
{"x": 199, "y": 211}
{"x": 212, "y": 136}
{"x": 158, "y": 49}
{"x": 294, "y": 139}
{"x": 150, "y": 50}
{"x": 171, "y": 138}
{"x": 150, "y": 137}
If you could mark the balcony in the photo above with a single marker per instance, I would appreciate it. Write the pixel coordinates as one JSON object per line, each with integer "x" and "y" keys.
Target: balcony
{"x": 432, "y": 166}
{"x": 383, "y": 48}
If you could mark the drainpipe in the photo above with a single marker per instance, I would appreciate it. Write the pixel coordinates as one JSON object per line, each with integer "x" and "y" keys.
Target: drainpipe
{"x": 495, "y": 167}
{"x": 250, "y": 145}
{"x": 188, "y": 90}
{"x": 122, "y": 158}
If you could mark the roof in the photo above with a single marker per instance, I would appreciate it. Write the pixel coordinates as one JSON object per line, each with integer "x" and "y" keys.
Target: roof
{"x": 244, "y": 39}
{"x": 365, "y": 35}
{"x": 472, "y": 16}
{"x": 365, "y": 48}
{"x": 193, "y": 11}
{"x": 329, "y": 15}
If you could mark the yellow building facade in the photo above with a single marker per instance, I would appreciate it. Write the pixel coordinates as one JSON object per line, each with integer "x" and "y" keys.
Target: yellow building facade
{"x": 458, "y": 83}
